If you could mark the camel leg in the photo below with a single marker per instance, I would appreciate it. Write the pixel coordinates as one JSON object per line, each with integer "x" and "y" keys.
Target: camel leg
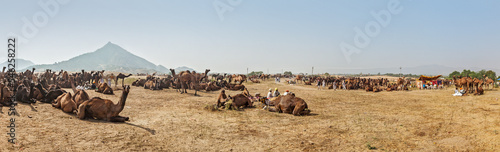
{"x": 80, "y": 113}
{"x": 298, "y": 108}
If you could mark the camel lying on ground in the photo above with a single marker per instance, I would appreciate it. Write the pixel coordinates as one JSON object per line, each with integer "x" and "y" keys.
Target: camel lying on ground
{"x": 80, "y": 95}
{"x": 50, "y": 96}
{"x": 65, "y": 103}
{"x": 291, "y": 105}
{"x": 104, "y": 109}
{"x": 238, "y": 101}
{"x": 104, "y": 88}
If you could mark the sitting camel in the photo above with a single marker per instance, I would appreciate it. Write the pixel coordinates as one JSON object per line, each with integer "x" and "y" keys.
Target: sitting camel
{"x": 479, "y": 91}
{"x": 50, "y": 96}
{"x": 236, "y": 87}
{"x": 238, "y": 101}
{"x": 292, "y": 105}
{"x": 6, "y": 95}
{"x": 104, "y": 109}
{"x": 80, "y": 95}
{"x": 65, "y": 102}
{"x": 104, "y": 88}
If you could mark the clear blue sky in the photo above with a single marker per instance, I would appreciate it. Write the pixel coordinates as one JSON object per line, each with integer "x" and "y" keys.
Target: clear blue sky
{"x": 260, "y": 34}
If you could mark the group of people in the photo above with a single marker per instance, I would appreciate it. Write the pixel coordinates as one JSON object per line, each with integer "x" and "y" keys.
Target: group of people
{"x": 321, "y": 84}
{"x": 272, "y": 94}
{"x": 459, "y": 92}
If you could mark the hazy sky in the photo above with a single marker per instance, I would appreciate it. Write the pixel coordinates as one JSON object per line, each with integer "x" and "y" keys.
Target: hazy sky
{"x": 261, "y": 34}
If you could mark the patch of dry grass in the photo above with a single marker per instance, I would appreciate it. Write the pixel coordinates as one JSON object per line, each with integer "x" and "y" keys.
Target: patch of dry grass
{"x": 428, "y": 120}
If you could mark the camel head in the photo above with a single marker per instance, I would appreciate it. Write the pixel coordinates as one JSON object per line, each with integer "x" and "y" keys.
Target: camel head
{"x": 206, "y": 71}
{"x": 126, "y": 89}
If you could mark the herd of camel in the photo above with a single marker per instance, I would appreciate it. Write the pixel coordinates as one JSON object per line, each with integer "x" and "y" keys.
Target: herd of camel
{"x": 199, "y": 81}
{"x": 473, "y": 85}
{"x": 355, "y": 83}
{"x": 48, "y": 87}
{"x": 191, "y": 80}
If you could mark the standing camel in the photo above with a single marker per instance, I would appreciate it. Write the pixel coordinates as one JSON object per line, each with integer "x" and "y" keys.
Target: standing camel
{"x": 121, "y": 76}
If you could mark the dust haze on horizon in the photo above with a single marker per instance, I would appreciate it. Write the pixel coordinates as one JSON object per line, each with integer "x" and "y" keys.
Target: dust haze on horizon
{"x": 288, "y": 35}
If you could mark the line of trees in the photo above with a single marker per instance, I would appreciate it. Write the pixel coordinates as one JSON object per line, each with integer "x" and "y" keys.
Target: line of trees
{"x": 479, "y": 74}
{"x": 255, "y": 73}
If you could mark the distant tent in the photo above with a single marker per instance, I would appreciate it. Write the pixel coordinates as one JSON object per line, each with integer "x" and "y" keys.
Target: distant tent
{"x": 498, "y": 79}
{"x": 428, "y": 78}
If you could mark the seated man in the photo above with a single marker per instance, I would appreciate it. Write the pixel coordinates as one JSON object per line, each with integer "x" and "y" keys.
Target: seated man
{"x": 462, "y": 91}
{"x": 286, "y": 92}
{"x": 457, "y": 93}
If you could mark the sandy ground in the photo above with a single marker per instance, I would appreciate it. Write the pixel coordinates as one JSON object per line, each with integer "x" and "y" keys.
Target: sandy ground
{"x": 420, "y": 120}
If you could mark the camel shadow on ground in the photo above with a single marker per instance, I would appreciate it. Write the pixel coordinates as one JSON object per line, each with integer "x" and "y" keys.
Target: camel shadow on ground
{"x": 29, "y": 104}
{"x": 152, "y": 131}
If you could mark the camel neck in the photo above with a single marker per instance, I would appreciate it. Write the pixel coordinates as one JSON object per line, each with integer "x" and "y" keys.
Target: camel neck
{"x": 121, "y": 103}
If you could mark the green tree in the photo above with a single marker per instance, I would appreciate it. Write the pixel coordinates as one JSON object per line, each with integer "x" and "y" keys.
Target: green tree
{"x": 327, "y": 74}
{"x": 289, "y": 73}
{"x": 454, "y": 73}
{"x": 255, "y": 73}
{"x": 490, "y": 74}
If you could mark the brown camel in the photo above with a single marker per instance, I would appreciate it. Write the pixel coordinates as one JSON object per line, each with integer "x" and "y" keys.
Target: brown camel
{"x": 488, "y": 82}
{"x": 104, "y": 88}
{"x": 80, "y": 95}
{"x": 186, "y": 78}
{"x": 65, "y": 102}
{"x": 479, "y": 91}
{"x": 139, "y": 82}
{"x": 240, "y": 100}
{"x": 235, "y": 87}
{"x": 212, "y": 87}
{"x": 460, "y": 83}
{"x": 121, "y": 76}
{"x": 6, "y": 95}
{"x": 104, "y": 109}
{"x": 291, "y": 105}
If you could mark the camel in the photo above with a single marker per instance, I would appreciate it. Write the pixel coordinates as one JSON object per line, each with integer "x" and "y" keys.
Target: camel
{"x": 186, "y": 78}
{"x": 479, "y": 91}
{"x": 104, "y": 88}
{"x": 23, "y": 94}
{"x": 65, "y": 102}
{"x": 139, "y": 82}
{"x": 255, "y": 80}
{"x": 152, "y": 84}
{"x": 212, "y": 87}
{"x": 291, "y": 105}
{"x": 238, "y": 101}
{"x": 121, "y": 76}
{"x": 6, "y": 95}
{"x": 238, "y": 78}
{"x": 461, "y": 82}
{"x": 488, "y": 82}
{"x": 80, "y": 95}
{"x": 49, "y": 96}
{"x": 104, "y": 109}
{"x": 236, "y": 87}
